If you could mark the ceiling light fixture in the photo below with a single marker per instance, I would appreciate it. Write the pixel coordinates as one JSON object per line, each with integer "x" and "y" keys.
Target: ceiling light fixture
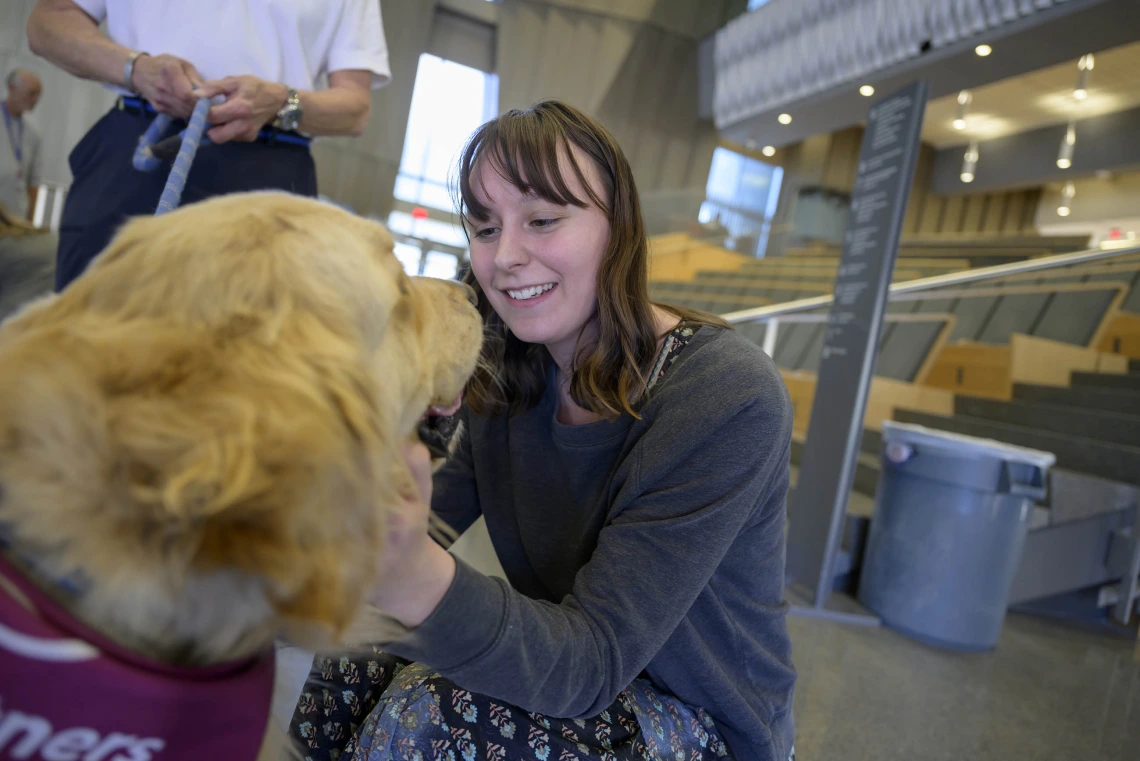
{"x": 965, "y": 98}
{"x": 768, "y": 150}
{"x": 970, "y": 162}
{"x": 1065, "y": 156}
{"x": 1067, "y": 193}
{"x": 1084, "y": 66}
{"x": 983, "y": 50}
{"x": 866, "y": 91}
{"x": 784, "y": 118}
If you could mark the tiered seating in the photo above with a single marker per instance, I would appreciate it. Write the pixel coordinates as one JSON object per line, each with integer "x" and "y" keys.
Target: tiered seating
{"x": 1082, "y": 537}
{"x": 1094, "y": 306}
{"x": 696, "y": 274}
{"x": 982, "y": 251}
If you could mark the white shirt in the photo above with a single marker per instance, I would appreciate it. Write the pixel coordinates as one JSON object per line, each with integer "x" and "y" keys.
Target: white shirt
{"x": 292, "y": 42}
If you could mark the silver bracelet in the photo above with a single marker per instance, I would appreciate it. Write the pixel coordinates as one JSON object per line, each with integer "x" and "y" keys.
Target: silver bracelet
{"x": 129, "y": 69}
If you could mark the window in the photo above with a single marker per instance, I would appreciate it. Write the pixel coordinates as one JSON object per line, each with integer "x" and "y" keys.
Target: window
{"x": 430, "y": 263}
{"x": 741, "y": 196}
{"x": 449, "y": 102}
{"x": 754, "y": 4}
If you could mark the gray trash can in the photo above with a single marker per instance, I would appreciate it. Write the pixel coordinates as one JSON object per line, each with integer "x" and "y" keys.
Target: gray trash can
{"x": 950, "y": 520}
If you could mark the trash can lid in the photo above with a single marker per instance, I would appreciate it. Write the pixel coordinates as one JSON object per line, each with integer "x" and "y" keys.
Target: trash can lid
{"x": 959, "y": 445}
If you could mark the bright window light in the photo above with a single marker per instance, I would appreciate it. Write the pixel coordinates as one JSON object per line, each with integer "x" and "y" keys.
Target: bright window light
{"x": 741, "y": 195}
{"x": 429, "y": 229}
{"x": 449, "y": 102}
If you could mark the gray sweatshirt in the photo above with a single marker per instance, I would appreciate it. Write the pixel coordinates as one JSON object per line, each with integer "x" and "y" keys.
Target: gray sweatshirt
{"x": 651, "y": 547}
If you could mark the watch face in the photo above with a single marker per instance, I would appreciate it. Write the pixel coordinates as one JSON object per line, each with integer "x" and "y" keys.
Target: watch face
{"x": 290, "y": 115}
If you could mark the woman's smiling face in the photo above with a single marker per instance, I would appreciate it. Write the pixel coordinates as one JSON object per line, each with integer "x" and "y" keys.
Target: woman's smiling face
{"x": 537, "y": 261}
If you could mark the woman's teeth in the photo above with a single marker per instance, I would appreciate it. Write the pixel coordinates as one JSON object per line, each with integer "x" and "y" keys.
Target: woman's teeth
{"x": 530, "y": 293}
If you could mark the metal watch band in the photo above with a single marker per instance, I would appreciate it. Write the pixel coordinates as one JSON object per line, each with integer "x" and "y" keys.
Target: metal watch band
{"x": 129, "y": 69}
{"x": 289, "y": 115}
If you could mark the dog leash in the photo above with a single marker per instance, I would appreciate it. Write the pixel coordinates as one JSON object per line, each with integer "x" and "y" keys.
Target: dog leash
{"x": 151, "y": 151}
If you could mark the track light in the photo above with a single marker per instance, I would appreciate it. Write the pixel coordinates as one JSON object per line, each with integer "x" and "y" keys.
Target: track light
{"x": 1084, "y": 66}
{"x": 1065, "y": 156}
{"x": 784, "y": 118}
{"x": 1067, "y": 193}
{"x": 768, "y": 150}
{"x": 866, "y": 91}
{"x": 970, "y": 162}
{"x": 983, "y": 50}
{"x": 965, "y": 98}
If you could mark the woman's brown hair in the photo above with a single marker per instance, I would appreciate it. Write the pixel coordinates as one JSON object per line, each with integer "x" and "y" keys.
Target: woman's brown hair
{"x": 524, "y": 146}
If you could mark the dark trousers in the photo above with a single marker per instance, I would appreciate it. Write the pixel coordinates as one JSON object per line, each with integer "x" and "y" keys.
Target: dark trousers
{"x": 107, "y": 189}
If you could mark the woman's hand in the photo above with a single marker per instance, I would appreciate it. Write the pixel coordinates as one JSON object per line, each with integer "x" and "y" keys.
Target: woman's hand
{"x": 251, "y": 103}
{"x": 415, "y": 572}
{"x": 167, "y": 83}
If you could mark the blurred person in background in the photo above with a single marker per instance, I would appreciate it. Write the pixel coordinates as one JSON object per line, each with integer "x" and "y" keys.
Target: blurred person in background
{"x": 267, "y": 62}
{"x": 21, "y": 160}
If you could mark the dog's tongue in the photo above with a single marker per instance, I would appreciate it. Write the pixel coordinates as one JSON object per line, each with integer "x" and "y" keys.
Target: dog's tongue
{"x": 448, "y": 410}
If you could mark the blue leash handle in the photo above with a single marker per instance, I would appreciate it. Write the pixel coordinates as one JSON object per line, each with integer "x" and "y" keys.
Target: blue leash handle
{"x": 145, "y": 159}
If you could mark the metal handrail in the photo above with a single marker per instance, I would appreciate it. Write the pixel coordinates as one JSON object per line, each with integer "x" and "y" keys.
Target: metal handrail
{"x": 775, "y": 311}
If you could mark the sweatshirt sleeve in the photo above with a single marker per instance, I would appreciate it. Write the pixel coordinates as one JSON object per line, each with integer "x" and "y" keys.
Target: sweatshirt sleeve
{"x": 650, "y": 564}
{"x": 454, "y": 495}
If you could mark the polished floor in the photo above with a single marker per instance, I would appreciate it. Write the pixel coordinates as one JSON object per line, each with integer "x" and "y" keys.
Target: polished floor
{"x": 1047, "y": 692}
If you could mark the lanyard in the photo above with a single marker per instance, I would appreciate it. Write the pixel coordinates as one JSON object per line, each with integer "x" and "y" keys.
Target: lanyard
{"x": 15, "y": 139}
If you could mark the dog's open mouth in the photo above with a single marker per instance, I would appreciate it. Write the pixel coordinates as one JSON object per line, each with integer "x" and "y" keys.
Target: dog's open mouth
{"x": 438, "y": 425}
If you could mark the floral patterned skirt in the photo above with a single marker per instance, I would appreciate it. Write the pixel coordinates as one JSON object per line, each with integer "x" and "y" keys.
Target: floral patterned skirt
{"x": 381, "y": 708}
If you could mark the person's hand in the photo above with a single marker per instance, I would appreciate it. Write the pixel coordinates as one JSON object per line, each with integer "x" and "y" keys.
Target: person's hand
{"x": 415, "y": 572}
{"x": 251, "y": 103}
{"x": 408, "y": 522}
{"x": 167, "y": 83}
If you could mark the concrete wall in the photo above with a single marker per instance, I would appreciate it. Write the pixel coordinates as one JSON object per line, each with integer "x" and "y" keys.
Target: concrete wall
{"x": 830, "y": 161}
{"x": 633, "y": 65}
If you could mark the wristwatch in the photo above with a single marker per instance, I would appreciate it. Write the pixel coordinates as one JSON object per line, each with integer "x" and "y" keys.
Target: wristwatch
{"x": 129, "y": 70}
{"x": 290, "y": 114}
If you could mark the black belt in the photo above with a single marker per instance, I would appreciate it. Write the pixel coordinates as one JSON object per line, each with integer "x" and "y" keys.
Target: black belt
{"x": 266, "y": 135}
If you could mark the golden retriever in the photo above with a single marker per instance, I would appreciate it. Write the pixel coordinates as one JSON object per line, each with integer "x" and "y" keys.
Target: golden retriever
{"x": 206, "y": 428}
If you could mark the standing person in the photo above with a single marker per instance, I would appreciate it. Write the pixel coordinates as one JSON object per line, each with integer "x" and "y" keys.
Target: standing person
{"x": 631, "y": 461}
{"x": 21, "y": 161}
{"x": 266, "y": 59}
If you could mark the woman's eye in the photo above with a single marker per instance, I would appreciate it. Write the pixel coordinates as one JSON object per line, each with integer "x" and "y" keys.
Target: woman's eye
{"x": 543, "y": 222}
{"x": 486, "y": 232}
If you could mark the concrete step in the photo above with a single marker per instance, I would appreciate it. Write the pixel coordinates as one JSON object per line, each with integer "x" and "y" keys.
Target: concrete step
{"x": 1114, "y": 462}
{"x": 1121, "y": 382}
{"x": 1110, "y": 400}
{"x": 1101, "y": 425}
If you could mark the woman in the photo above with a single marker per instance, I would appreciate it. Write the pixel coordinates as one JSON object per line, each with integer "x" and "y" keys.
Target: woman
{"x": 631, "y": 461}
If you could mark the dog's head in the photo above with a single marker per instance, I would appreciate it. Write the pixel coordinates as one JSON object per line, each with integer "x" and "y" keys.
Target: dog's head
{"x": 207, "y": 425}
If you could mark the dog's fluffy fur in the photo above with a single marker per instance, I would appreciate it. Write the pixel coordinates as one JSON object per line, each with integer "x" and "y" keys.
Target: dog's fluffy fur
{"x": 207, "y": 426}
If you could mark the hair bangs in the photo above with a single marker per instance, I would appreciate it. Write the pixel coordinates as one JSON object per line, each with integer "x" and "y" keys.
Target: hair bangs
{"x": 530, "y": 152}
